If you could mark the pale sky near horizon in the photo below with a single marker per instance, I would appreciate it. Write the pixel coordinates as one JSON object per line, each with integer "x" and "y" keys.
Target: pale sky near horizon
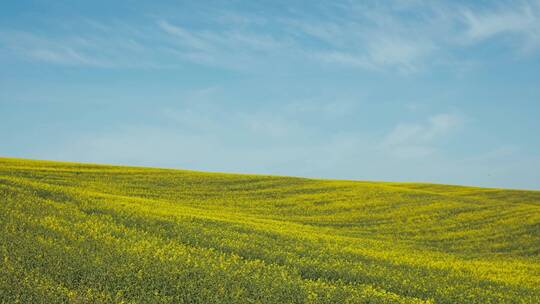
{"x": 433, "y": 91}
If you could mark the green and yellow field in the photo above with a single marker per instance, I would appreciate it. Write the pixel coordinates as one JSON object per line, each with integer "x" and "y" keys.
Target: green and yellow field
{"x": 79, "y": 233}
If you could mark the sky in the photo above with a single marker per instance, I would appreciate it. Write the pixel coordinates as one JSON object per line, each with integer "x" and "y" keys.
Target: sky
{"x": 412, "y": 91}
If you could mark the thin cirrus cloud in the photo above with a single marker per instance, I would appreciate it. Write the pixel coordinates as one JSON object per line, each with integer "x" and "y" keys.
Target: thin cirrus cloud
{"x": 88, "y": 50}
{"x": 64, "y": 51}
{"x": 523, "y": 22}
{"x": 365, "y": 39}
{"x": 349, "y": 35}
{"x": 418, "y": 139}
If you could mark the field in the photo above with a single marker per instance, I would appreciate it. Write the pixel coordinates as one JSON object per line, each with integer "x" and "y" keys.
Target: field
{"x": 79, "y": 233}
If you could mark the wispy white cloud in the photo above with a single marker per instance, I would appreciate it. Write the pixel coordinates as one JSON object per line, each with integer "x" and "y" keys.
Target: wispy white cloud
{"x": 417, "y": 139}
{"x": 222, "y": 40}
{"x": 405, "y": 54}
{"x": 401, "y": 36}
{"x": 379, "y": 37}
{"x": 363, "y": 41}
{"x": 106, "y": 48}
{"x": 521, "y": 19}
{"x": 237, "y": 47}
{"x": 49, "y": 50}
{"x": 187, "y": 38}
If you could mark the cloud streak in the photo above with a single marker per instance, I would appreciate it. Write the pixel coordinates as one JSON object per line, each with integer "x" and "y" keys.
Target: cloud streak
{"x": 57, "y": 51}
{"x": 522, "y": 20}
{"x": 417, "y": 139}
{"x": 395, "y": 36}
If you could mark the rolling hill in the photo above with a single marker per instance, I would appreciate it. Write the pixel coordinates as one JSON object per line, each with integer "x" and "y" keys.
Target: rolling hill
{"x": 82, "y": 233}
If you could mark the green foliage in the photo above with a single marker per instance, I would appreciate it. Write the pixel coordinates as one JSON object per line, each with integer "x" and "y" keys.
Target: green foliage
{"x": 101, "y": 234}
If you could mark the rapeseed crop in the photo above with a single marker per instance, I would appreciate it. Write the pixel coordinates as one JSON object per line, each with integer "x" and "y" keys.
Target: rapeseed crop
{"x": 79, "y": 233}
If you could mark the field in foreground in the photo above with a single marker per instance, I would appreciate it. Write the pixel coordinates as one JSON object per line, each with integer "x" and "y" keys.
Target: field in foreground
{"x": 81, "y": 233}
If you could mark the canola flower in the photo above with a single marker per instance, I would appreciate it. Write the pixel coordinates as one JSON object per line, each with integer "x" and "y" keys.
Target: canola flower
{"x": 80, "y": 233}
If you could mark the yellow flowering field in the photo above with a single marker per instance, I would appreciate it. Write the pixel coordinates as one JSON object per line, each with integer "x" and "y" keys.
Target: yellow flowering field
{"x": 81, "y": 233}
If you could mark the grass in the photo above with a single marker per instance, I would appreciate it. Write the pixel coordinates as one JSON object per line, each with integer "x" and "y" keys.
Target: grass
{"x": 80, "y": 233}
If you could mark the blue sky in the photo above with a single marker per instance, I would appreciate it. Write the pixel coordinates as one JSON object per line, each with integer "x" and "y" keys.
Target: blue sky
{"x": 435, "y": 91}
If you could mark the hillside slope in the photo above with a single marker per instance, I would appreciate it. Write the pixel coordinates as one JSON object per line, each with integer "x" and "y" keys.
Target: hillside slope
{"x": 107, "y": 234}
